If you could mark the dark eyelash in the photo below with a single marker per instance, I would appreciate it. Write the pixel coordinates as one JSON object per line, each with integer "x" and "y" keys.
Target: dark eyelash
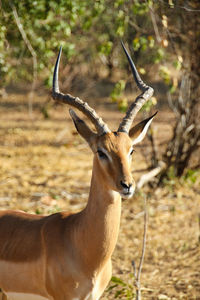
{"x": 101, "y": 154}
{"x": 132, "y": 151}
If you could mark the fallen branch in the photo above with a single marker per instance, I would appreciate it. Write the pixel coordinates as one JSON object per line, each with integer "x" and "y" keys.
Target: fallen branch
{"x": 150, "y": 175}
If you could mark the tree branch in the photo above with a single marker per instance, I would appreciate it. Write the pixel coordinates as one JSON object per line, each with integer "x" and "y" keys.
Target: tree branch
{"x": 32, "y": 51}
{"x": 150, "y": 175}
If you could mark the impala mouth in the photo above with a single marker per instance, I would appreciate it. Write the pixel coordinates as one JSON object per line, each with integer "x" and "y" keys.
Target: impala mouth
{"x": 127, "y": 194}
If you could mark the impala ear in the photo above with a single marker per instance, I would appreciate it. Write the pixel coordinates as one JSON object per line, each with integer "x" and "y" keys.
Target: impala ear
{"x": 138, "y": 132}
{"x": 83, "y": 129}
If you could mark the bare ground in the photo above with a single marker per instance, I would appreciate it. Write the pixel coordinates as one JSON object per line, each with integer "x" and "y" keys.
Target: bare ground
{"x": 46, "y": 167}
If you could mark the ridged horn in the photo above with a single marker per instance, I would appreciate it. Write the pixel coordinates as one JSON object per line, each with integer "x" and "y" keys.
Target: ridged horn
{"x": 147, "y": 93}
{"x": 99, "y": 124}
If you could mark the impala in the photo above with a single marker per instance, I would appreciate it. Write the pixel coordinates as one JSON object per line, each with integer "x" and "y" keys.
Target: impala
{"x": 68, "y": 256}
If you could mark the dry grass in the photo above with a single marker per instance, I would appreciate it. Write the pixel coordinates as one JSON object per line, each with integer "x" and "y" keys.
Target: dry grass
{"x": 46, "y": 167}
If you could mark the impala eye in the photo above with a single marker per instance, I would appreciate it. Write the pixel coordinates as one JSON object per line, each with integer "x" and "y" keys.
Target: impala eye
{"x": 132, "y": 151}
{"x": 101, "y": 154}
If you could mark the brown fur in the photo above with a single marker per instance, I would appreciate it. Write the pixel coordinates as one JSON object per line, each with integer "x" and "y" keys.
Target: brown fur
{"x": 20, "y": 236}
{"x": 64, "y": 256}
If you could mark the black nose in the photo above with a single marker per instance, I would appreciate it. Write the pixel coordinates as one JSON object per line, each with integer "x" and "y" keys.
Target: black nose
{"x": 125, "y": 185}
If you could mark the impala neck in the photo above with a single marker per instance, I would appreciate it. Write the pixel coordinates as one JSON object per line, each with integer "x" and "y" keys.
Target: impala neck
{"x": 101, "y": 220}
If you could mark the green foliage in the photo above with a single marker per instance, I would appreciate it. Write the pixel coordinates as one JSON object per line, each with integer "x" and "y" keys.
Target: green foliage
{"x": 48, "y": 24}
{"x": 170, "y": 179}
{"x": 191, "y": 176}
{"x": 89, "y": 32}
{"x": 45, "y": 112}
{"x": 118, "y": 90}
{"x": 105, "y": 48}
{"x": 118, "y": 97}
{"x": 159, "y": 55}
{"x": 149, "y": 104}
{"x": 168, "y": 78}
{"x": 54, "y": 210}
{"x": 165, "y": 74}
{"x": 122, "y": 289}
{"x": 38, "y": 211}
{"x": 171, "y": 173}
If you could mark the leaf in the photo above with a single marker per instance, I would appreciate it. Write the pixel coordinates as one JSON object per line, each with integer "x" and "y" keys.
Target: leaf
{"x": 118, "y": 281}
{"x": 112, "y": 287}
{"x": 118, "y": 293}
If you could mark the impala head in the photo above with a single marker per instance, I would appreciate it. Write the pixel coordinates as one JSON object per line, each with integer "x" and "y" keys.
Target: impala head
{"x": 112, "y": 150}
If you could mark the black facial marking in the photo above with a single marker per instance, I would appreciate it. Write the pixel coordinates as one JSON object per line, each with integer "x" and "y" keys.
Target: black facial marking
{"x": 101, "y": 154}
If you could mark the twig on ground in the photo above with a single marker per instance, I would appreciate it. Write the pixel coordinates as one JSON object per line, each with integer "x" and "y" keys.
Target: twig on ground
{"x": 137, "y": 274}
{"x": 199, "y": 226}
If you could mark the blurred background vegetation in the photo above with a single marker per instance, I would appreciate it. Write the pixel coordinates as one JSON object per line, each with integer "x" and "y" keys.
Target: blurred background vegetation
{"x": 163, "y": 38}
{"x": 158, "y": 32}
